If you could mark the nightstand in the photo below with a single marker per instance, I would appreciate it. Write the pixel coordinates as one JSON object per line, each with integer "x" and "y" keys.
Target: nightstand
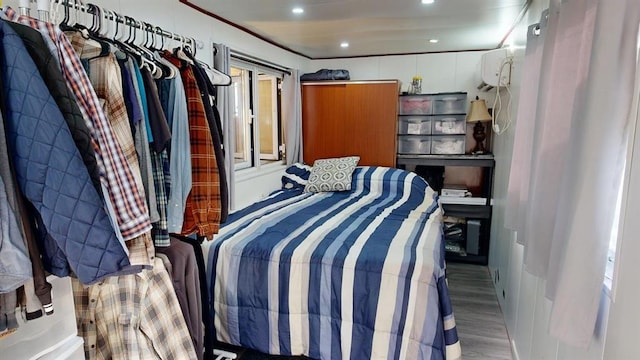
{"x": 477, "y": 213}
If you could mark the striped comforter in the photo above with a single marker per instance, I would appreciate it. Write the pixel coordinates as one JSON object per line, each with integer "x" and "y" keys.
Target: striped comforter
{"x": 341, "y": 275}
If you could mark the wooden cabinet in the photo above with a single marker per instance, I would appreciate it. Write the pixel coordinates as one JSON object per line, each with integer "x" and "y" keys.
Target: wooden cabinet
{"x": 350, "y": 118}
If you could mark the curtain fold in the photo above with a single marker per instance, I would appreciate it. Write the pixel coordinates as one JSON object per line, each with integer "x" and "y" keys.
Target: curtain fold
{"x": 293, "y": 117}
{"x": 518, "y": 189}
{"x": 570, "y": 155}
{"x": 225, "y": 107}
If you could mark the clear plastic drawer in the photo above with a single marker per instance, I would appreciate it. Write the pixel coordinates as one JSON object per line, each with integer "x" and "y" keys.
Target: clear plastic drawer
{"x": 414, "y": 144}
{"x": 448, "y": 144}
{"x": 449, "y": 125}
{"x": 414, "y": 125}
{"x": 450, "y": 103}
{"x": 416, "y": 105}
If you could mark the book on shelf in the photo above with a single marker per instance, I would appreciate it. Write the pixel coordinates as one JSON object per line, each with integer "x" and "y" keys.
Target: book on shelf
{"x": 455, "y": 190}
{"x": 463, "y": 200}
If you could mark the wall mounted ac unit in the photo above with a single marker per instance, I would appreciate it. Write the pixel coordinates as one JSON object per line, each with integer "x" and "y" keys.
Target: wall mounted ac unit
{"x": 495, "y": 69}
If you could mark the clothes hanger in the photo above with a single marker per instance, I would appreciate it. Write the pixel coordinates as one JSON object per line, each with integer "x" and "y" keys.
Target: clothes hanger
{"x": 80, "y": 11}
{"x": 64, "y": 24}
{"x": 149, "y": 47}
{"x": 118, "y": 40}
{"x": 53, "y": 11}
{"x": 195, "y": 46}
{"x": 105, "y": 24}
{"x": 216, "y": 77}
{"x": 115, "y": 45}
{"x": 66, "y": 21}
{"x": 179, "y": 52}
{"x": 170, "y": 70}
{"x": 146, "y": 56}
{"x": 92, "y": 42}
{"x": 155, "y": 48}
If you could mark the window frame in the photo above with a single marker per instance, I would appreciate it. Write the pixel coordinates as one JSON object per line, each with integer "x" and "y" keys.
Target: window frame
{"x": 252, "y": 106}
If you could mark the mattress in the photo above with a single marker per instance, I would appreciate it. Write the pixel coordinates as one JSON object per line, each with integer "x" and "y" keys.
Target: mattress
{"x": 336, "y": 275}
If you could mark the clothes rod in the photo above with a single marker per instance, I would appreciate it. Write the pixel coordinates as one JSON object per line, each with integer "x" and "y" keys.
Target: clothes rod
{"x": 129, "y": 21}
{"x": 251, "y": 60}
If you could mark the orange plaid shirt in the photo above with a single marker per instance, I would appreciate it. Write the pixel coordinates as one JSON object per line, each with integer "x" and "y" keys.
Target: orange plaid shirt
{"x": 202, "y": 214}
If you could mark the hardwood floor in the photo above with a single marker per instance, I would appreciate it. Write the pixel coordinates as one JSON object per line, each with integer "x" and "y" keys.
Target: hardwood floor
{"x": 479, "y": 319}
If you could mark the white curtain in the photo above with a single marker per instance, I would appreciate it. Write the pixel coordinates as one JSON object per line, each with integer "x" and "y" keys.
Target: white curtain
{"x": 292, "y": 94}
{"x": 224, "y": 102}
{"x": 570, "y": 151}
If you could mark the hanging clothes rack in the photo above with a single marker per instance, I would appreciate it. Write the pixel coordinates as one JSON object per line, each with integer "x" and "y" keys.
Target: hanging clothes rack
{"x": 128, "y": 21}
{"x": 25, "y": 7}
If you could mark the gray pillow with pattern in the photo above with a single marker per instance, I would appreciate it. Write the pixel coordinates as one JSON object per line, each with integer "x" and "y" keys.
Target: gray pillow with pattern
{"x": 332, "y": 174}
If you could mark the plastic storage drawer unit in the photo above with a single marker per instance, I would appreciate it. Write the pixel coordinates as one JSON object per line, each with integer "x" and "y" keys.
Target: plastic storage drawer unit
{"x": 414, "y": 125}
{"x": 449, "y": 125}
{"x": 450, "y": 103}
{"x": 448, "y": 144}
{"x": 414, "y": 144}
{"x": 416, "y": 104}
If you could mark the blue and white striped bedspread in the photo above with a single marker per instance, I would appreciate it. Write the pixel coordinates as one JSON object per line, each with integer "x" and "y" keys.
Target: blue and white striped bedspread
{"x": 340, "y": 275}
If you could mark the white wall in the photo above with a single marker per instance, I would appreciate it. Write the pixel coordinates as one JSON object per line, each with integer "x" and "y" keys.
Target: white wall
{"x": 445, "y": 72}
{"x": 171, "y": 15}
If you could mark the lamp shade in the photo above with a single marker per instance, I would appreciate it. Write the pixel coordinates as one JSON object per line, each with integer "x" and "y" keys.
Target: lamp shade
{"x": 478, "y": 111}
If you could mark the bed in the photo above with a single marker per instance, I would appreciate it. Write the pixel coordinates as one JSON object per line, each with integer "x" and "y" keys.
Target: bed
{"x": 353, "y": 274}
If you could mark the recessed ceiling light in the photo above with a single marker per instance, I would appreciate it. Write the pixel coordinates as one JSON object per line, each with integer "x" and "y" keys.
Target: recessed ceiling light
{"x": 427, "y": 1}
{"x": 344, "y": 44}
{"x": 297, "y": 10}
{"x": 433, "y": 41}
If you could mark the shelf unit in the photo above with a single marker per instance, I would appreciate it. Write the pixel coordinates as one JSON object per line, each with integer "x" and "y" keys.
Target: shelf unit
{"x": 479, "y": 212}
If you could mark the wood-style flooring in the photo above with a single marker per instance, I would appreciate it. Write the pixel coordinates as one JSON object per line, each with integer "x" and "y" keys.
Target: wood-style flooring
{"x": 479, "y": 320}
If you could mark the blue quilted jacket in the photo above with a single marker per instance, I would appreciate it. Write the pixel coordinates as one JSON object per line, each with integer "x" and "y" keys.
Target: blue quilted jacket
{"x": 51, "y": 173}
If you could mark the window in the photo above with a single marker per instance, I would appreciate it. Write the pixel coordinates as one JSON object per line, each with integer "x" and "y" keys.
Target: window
{"x": 256, "y": 97}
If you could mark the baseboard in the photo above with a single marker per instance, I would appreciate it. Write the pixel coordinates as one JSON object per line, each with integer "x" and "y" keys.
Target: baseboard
{"x": 514, "y": 351}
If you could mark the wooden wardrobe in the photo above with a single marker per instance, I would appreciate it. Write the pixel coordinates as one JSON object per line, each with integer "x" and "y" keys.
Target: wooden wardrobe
{"x": 350, "y": 118}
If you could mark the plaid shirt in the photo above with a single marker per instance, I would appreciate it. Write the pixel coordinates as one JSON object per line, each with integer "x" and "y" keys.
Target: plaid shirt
{"x": 132, "y": 317}
{"x": 202, "y": 214}
{"x": 129, "y": 204}
{"x": 160, "y": 230}
{"x": 106, "y": 78}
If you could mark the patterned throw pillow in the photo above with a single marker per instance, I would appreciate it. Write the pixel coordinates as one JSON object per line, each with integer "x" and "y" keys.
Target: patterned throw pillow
{"x": 296, "y": 176}
{"x": 332, "y": 174}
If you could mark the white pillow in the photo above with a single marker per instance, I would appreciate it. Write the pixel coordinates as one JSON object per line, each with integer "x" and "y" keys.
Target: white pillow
{"x": 332, "y": 174}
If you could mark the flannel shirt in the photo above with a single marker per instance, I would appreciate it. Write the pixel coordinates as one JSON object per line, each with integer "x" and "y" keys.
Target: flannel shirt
{"x": 106, "y": 77}
{"x": 203, "y": 207}
{"x": 116, "y": 175}
{"x": 132, "y": 317}
{"x": 160, "y": 230}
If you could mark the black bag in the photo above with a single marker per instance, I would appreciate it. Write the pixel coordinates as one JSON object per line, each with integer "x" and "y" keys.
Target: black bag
{"x": 326, "y": 74}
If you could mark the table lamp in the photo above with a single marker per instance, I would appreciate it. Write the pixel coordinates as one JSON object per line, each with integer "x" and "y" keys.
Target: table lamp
{"x": 478, "y": 114}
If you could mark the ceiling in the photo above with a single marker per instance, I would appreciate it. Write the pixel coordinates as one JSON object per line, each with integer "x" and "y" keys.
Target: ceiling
{"x": 371, "y": 27}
